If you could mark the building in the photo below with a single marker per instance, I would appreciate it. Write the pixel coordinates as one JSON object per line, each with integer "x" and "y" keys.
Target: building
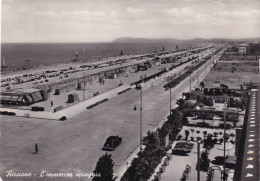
{"x": 22, "y": 97}
{"x": 243, "y": 49}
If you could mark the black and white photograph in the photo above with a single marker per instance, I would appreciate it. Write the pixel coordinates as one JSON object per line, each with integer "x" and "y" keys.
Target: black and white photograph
{"x": 130, "y": 90}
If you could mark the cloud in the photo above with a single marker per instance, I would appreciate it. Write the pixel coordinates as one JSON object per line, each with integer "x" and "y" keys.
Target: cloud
{"x": 236, "y": 15}
{"x": 185, "y": 12}
{"x": 85, "y": 13}
{"x": 46, "y": 13}
{"x": 113, "y": 14}
{"x": 135, "y": 11}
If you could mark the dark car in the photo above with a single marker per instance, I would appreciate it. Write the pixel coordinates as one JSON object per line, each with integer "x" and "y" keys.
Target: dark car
{"x": 228, "y": 126}
{"x": 203, "y": 124}
{"x": 111, "y": 143}
{"x": 96, "y": 94}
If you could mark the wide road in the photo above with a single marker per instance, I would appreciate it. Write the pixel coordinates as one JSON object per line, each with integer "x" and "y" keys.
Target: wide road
{"x": 76, "y": 144}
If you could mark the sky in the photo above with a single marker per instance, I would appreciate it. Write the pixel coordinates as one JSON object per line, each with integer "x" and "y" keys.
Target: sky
{"x": 106, "y": 20}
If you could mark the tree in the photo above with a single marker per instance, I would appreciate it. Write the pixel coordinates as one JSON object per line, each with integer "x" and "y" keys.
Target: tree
{"x": 181, "y": 103}
{"x": 192, "y": 131}
{"x": 179, "y": 137}
{"x": 187, "y": 134}
{"x": 204, "y": 134}
{"x": 202, "y": 84}
{"x": 198, "y": 132}
{"x": 232, "y": 135}
{"x": 221, "y": 140}
{"x": 151, "y": 139}
{"x": 104, "y": 168}
{"x": 206, "y": 92}
{"x": 224, "y": 88}
{"x": 204, "y": 164}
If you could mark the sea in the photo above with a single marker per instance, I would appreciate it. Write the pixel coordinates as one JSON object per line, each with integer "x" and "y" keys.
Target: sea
{"x": 19, "y": 56}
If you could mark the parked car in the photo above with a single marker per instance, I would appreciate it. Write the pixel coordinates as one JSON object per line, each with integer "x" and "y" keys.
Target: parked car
{"x": 96, "y": 94}
{"x": 228, "y": 126}
{"x": 203, "y": 124}
{"x": 111, "y": 143}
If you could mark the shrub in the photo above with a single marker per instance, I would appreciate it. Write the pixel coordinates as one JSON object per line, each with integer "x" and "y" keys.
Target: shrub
{"x": 124, "y": 91}
{"x": 97, "y": 103}
{"x": 204, "y": 164}
{"x": 11, "y": 113}
{"x": 179, "y": 137}
{"x": 5, "y": 113}
{"x": 221, "y": 140}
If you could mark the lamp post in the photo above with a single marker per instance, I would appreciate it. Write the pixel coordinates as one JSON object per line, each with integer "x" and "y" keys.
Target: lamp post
{"x": 138, "y": 87}
{"x": 198, "y": 162}
{"x": 205, "y": 67}
{"x": 224, "y": 136}
{"x": 84, "y": 86}
{"x": 190, "y": 83}
{"x": 197, "y": 77}
{"x": 170, "y": 101}
{"x": 170, "y": 90}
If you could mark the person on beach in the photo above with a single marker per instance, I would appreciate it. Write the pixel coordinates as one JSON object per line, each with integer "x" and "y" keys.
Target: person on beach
{"x": 36, "y": 148}
{"x": 51, "y": 103}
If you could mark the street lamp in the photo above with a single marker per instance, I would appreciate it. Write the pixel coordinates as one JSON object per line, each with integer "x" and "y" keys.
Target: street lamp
{"x": 170, "y": 101}
{"x": 170, "y": 89}
{"x": 190, "y": 83}
{"x": 138, "y": 87}
{"x": 205, "y": 67}
{"x": 198, "y": 161}
{"x": 197, "y": 77}
{"x": 224, "y": 137}
{"x": 84, "y": 86}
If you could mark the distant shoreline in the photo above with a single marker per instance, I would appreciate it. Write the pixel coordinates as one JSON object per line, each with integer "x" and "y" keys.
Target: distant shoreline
{"x": 60, "y": 66}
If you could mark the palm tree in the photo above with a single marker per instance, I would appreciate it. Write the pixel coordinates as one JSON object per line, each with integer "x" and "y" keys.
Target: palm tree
{"x": 192, "y": 131}
{"x": 232, "y": 135}
{"x": 198, "y": 132}
{"x": 205, "y": 133}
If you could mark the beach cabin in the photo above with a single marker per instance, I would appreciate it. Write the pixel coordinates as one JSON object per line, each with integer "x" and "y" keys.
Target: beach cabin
{"x": 72, "y": 98}
{"x": 21, "y": 97}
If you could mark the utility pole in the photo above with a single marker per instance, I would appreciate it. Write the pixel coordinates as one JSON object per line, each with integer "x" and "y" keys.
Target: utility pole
{"x": 138, "y": 87}
{"x": 224, "y": 165}
{"x": 84, "y": 86}
{"x": 141, "y": 111}
{"x": 198, "y": 162}
{"x": 197, "y": 77}
{"x": 170, "y": 101}
{"x": 205, "y": 68}
{"x": 190, "y": 83}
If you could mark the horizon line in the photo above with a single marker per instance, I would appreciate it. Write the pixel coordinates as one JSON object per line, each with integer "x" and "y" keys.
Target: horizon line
{"x": 132, "y": 38}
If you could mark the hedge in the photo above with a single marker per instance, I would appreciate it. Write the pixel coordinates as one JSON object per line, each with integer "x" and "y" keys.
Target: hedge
{"x": 124, "y": 91}
{"x": 97, "y": 103}
{"x": 7, "y": 113}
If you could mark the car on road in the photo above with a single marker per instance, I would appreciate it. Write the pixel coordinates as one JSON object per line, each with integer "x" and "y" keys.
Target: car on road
{"x": 228, "y": 126}
{"x": 111, "y": 143}
{"x": 203, "y": 124}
